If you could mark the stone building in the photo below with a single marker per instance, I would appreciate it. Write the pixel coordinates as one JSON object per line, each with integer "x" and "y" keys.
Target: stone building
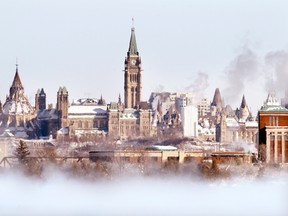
{"x": 89, "y": 118}
{"x": 273, "y": 131}
{"x": 40, "y": 100}
{"x": 238, "y": 126}
{"x": 130, "y": 123}
{"x": 62, "y": 107}
{"x": 203, "y": 107}
{"x": 225, "y": 125}
{"x": 17, "y": 113}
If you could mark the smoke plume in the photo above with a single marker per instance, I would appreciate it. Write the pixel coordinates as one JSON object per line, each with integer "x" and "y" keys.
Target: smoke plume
{"x": 276, "y": 68}
{"x": 242, "y": 69}
{"x": 198, "y": 86}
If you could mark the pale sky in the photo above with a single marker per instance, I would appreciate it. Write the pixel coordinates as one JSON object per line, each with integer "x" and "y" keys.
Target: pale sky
{"x": 235, "y": 45}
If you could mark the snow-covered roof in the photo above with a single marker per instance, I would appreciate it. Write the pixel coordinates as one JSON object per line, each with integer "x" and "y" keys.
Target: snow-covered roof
{"x": 87, "y": 110}
{"x": 129, "y": 114}
{"x": 47, "y": 114}
{"x": 6, "y": 133}
{"x": 18, "y": 107}
{"x": 231, "y": 122}
{"x": 251, "y": 124}
{"x": 272, "y": 104}
{"x": 83, "y": 101}
{"x": 63, "y": 131}
{"x": 161, "y": 148}
{"x": 273, "y": 109}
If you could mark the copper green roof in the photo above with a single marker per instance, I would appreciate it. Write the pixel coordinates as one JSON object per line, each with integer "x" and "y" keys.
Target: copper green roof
{"x": 133, "y": 45}
{"x": 273, "y": 109}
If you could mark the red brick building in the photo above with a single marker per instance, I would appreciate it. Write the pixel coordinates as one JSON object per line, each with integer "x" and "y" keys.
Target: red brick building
{"x": 273, "y": 131}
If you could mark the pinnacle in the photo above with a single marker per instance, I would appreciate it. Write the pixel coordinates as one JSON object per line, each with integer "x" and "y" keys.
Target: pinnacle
{"x": 243, "y": 103}
{"x": 17, "y": 81}
{"x": 132, "y": 45}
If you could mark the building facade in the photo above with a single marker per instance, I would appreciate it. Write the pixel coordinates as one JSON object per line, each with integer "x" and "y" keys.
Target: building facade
{"x": 189, "y": 121}
{"x": 273, "y": 131}
{"x": 130, "y": 123}
{"x": 238, "y": 126}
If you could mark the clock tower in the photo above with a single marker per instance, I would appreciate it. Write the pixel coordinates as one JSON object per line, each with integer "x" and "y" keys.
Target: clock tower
{"x": 132, "y": 74}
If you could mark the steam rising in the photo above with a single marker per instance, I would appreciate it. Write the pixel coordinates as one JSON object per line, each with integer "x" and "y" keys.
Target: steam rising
{"x": 276, "y": 65}
{"x": 198, "y": 86}
{"x": 242, "y": 69}
{"x": 58, "y": 194}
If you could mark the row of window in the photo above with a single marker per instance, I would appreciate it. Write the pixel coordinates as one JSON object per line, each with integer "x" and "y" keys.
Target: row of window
{"x": 273, "y": 120}
{"x": 96, "y": 124}
{"x": 279, "y": 137}
{"x": 134, "y": 78}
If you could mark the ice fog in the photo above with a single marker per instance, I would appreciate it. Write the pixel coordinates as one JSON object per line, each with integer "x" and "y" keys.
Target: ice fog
{"x": 60, "y": 194}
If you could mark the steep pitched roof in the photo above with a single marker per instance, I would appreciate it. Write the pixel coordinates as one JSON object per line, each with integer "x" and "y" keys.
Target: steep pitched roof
{"x": 133, "y": 45}
{"x": 217, "y": 101}
{"x": 243, "y": 103}
{"x": 42, "y": 93}
{"x": 17, "y": 81}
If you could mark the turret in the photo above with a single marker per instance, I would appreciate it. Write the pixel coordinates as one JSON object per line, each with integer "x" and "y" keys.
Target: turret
{"x": 42, "y": 100}
{"x": 217, "y": 103}
{"x": 244, "y": 110}
{"x": 62, "y": 106}
{"x": 37, "y": 100}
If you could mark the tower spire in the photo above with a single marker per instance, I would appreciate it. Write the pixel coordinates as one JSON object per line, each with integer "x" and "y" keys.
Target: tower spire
{"x": 16, "y": 64}
{"x": 119, "y": 99}
{"x": 243, "y": 103}
{"x": 17, "y": 81}
{"x": 133, "y": 45}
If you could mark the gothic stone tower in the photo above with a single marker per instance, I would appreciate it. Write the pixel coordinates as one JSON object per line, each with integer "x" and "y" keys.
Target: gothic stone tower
{"x": 133, "y": 73}
{"x": 40, "y": 100}
{"x": 62, "y": 106}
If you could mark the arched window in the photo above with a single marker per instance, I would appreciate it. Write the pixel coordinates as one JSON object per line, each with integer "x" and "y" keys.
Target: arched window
{"x": 80, "y": 124}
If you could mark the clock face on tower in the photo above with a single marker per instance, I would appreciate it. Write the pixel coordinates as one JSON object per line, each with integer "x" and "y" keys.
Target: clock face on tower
{"x": 133, "y": 61}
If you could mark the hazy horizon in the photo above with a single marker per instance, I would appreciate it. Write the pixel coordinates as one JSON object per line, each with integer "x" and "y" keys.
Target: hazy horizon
{"x": 58, "y": 193}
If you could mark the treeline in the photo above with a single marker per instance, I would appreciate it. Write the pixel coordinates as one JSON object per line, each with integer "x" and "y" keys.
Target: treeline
{"x": 47, "y": 160}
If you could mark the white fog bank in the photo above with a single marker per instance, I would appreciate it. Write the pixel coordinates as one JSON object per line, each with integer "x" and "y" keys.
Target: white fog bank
{"x": 60, "y": 195}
